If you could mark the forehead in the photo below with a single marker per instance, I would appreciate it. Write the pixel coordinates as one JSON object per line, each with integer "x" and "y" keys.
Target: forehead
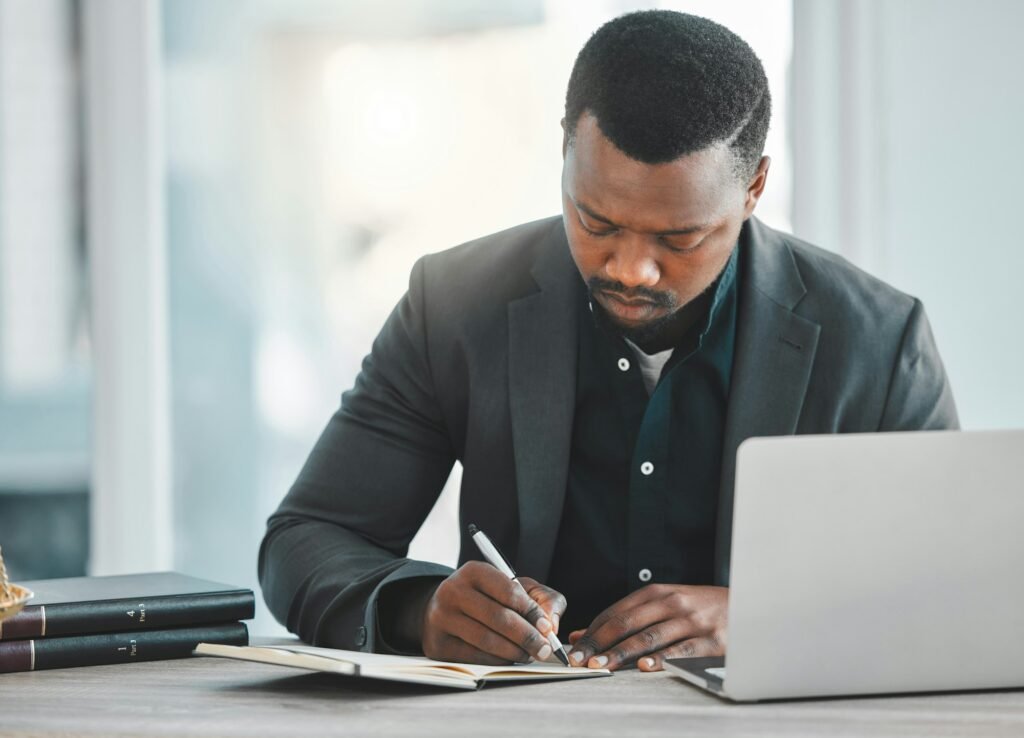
{"x": 698, "y": 187}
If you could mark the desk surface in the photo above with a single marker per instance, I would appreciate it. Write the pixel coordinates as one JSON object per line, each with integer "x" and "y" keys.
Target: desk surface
{"x": 215, "y": 697}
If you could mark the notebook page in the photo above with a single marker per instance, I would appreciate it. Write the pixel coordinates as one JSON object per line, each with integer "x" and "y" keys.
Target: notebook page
{"x": 381, "y": 662}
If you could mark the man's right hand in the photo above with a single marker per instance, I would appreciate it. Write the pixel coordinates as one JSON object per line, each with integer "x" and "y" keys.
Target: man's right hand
{"x": 478, "y": 615}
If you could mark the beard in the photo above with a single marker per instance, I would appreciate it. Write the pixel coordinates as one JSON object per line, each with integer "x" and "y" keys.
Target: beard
{"x": 657, "y": 334}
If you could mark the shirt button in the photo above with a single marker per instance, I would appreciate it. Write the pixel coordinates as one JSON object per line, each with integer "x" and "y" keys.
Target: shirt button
{"x": 647, "y": 468}
{"x": 645, "y": 575}
{"x": 624, "y": 364}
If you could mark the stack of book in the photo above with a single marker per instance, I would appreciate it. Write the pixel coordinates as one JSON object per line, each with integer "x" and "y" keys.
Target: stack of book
{"x": 87, "y": 621}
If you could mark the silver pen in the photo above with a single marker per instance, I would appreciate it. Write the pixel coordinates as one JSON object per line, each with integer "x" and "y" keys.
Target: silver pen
{"x": 499, "y": 562}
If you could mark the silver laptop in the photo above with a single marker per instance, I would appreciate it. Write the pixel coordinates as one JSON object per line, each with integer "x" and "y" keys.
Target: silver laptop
{"x": 876, "y": 563}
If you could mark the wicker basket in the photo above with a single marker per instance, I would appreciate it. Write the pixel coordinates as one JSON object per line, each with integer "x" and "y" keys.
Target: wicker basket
{"x": 12, "y": 597}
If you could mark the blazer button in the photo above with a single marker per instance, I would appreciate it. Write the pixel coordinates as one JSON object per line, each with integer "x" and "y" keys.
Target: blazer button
{"x": 361, "y": 636}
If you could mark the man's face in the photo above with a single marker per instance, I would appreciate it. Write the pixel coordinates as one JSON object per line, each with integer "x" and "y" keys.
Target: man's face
{"x": 649, "y": 238}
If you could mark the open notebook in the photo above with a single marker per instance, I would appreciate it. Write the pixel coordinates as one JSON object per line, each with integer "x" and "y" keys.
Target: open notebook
{"x": 413, "y": 669}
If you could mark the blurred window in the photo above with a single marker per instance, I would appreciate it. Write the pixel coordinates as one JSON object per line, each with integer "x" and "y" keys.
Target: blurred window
{"x": 44, "y": 337}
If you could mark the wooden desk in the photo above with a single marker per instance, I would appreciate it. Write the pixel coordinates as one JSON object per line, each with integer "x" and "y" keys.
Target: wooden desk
{"x": 213, "y": 697}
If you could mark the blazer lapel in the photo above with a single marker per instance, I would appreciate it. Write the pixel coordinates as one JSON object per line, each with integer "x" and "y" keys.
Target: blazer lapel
{"x": 775, "y": 351}
{"x": 542, "y": 394}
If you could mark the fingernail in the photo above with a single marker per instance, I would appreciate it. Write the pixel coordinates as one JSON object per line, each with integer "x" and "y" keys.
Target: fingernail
{"x": 543, "y": 625}
{"x": 576, "y": 657}
{"x": 648, "y": 662}
{"x": 598, "y": 662}
{"x": 543, "y": 654}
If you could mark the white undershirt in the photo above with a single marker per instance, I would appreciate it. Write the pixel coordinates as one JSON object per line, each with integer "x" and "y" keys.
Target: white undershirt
{"x": 651, "y": 365}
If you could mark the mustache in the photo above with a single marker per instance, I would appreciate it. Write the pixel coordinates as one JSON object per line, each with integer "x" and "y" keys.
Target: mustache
{"x": 661, "y": 299}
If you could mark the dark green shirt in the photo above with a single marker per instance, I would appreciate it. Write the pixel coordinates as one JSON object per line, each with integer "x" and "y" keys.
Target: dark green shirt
{"x": 644, "y": 471}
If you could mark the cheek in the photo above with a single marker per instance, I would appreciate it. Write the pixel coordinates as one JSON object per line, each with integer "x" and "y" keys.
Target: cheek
{"x": 689, "y": 277}
{"x": 589, "y": 258}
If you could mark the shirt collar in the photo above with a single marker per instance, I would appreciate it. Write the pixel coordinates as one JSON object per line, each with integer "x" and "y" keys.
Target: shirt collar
{"x": 725, "y": 283}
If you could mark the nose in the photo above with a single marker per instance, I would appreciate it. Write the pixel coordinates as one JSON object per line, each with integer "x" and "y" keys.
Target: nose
{"x": 632, "y": 263}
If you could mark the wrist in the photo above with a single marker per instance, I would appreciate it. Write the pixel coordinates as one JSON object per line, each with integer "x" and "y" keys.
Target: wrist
{"x": 401, "y": 607}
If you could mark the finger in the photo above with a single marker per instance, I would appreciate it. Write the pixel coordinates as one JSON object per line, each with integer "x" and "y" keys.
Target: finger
{"x": 688, "y": 649}
{"x": 511, "y": 594}
{"x": 575, "y": 635}
{"x": 486, "y": 640}
{"x": 650, "y": 640}
{"x": 551, "y": 601}
{"x": 619, "y": 626}
{"x": 633, "y": 600}
{"x": 453, "y": 648}
{"x": 505, "y": 622}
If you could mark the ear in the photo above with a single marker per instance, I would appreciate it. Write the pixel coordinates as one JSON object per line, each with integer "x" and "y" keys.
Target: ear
{"x": 565, "y": 139}
{"x": 756, "y": 187}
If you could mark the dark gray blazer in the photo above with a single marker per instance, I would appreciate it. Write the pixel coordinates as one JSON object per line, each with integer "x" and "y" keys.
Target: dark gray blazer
{"x": 478, "y": 363}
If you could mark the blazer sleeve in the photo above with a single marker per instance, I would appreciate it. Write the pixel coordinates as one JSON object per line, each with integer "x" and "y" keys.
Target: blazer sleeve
{"x": 919, "y": 395}
{"x": 342, "y": 532}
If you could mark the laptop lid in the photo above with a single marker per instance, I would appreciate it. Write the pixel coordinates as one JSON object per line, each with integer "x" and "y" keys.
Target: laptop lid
{"x": 877, "y": 563}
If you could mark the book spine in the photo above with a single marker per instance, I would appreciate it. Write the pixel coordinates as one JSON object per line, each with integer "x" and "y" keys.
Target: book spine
{"x": 115, "y": 648}
{"x": 113, "y": 616}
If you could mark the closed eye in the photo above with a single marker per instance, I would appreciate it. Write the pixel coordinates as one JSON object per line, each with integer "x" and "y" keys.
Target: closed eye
{"x": 680, "y": 249}
{"x": 592, "y": 232}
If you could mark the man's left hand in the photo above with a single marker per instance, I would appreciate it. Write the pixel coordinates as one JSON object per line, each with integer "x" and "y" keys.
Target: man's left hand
{"x": 657, "y": 622}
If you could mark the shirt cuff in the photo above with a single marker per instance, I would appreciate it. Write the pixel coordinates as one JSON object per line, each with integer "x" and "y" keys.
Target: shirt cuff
{"x": 384, "y": 609}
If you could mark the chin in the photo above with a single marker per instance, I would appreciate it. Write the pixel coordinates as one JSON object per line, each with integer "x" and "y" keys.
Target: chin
{"x": 642, "y": 332}
{"x": 628, "y": 326}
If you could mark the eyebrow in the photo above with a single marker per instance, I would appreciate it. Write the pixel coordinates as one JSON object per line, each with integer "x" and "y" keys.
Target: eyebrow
{"x": 673, "y": 232}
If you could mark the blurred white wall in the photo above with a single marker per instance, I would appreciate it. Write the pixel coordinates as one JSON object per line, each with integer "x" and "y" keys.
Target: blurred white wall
{"x": 906, "y": 122}
{"x": 131, "y": 503}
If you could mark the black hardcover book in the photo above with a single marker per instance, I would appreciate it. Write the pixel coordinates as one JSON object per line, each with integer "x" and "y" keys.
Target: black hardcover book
{"x": 117, "y": 604}
{"x": 115, "y": 648}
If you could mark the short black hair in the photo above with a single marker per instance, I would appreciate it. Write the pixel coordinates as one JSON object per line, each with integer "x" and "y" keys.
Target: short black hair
{"x": 663, "y": 84}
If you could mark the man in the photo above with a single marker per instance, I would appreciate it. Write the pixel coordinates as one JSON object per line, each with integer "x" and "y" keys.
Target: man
{"x": 594, "y": 374}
